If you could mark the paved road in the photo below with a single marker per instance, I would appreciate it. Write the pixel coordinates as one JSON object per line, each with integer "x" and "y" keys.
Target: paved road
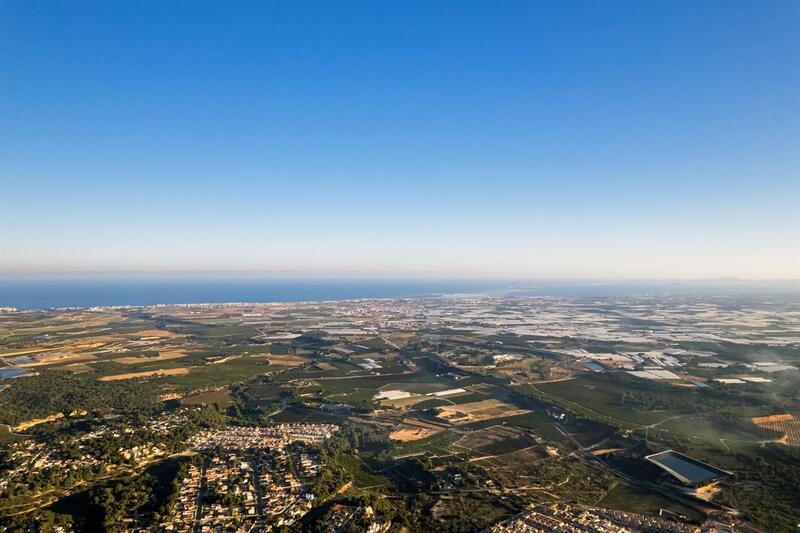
{"x": 199, "y": 502}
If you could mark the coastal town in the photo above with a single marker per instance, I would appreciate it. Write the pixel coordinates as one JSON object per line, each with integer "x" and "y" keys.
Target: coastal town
{"x": 258, "y": 478}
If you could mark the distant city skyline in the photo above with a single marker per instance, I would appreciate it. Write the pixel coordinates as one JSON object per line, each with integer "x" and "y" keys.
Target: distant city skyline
{"x": 578, "y": 140}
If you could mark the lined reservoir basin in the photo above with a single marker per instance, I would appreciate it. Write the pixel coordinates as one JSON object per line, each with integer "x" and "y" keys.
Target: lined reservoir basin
{"x": 685, "y": 468}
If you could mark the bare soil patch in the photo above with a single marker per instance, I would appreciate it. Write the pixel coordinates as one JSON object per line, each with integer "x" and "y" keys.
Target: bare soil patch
{"x": 467, "y": 413}
{"x": 133, "y": 375}
{"x": 59, "y": 358}
{"x": 412, "y": 433}
{"x": 164, "y": 334}
{"x": 286, "y": 360}
{"x": 605, "y": 451}
{"x": 162, "y": 356}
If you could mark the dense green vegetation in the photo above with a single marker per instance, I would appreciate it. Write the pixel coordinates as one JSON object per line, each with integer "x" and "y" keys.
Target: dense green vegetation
{"x": 767, "y": 488}
{"x": 343, "y": 465}
{"x": 53, "y": 392}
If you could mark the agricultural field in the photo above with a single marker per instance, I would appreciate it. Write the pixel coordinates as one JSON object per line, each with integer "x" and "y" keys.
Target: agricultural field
{"x": 786, "y": 424}
{"x": 468, "y": 413}
{"x": 454, "y": 412}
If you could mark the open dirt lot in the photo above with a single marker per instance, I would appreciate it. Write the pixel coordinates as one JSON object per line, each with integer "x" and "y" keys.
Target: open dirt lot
{"x": 467, "y": 413}
{"x": 59, "y": 358}
{"x": 162, "y": 356}
{"x": 406, "y": 434}
{"x": 164, "y": 334}
{"x": 133, "y": 375}
{"x": 286, "y": 360}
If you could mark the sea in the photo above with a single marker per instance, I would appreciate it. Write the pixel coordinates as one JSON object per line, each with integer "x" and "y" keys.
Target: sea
{"x": 83, "y": 292}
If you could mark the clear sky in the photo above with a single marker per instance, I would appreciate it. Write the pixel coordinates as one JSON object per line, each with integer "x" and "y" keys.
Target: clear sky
{"x": 621, "y": 139}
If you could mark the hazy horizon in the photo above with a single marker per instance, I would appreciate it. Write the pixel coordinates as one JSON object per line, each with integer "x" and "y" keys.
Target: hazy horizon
{"x": 299, "y": 275}
{"x": 98, "y": 291}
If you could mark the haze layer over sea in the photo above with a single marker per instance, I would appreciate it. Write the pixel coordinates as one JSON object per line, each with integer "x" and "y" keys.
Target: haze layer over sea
{"x": 48, "y": 293}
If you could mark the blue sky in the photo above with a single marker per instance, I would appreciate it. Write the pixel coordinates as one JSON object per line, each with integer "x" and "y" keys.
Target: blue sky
{"x": 528, "y": 139}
